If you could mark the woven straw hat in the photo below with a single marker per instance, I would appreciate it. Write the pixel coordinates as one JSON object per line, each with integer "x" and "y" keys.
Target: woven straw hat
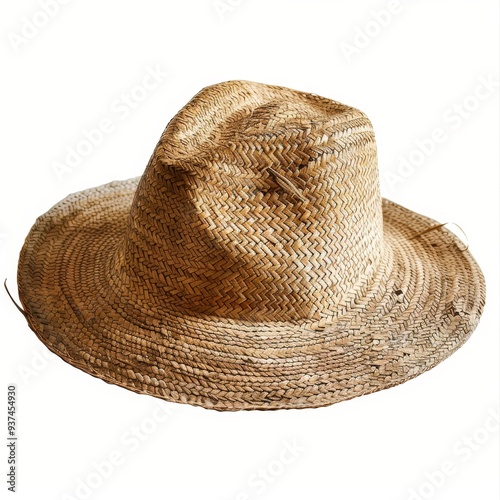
{"x": 254, "y": 265}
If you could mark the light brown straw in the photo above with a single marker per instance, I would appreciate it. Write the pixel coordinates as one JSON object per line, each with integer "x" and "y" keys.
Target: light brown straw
{"x": 439, "y": 226}
{"x": 253, "y": 266}
{"x": 19, "y": 308}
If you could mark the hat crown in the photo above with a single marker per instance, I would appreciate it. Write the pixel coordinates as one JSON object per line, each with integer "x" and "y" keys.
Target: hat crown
{"x": 258, "y": 203}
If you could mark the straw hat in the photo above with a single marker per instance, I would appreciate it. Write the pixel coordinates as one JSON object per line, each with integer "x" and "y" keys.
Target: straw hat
{"x": 254, "y": 265}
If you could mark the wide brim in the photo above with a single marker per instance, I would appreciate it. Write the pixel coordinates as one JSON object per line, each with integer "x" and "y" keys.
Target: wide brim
{"x": 422, "y": 305}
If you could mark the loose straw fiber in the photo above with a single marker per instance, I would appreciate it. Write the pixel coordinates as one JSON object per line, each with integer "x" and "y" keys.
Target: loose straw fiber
{"x": 253, "y": 266}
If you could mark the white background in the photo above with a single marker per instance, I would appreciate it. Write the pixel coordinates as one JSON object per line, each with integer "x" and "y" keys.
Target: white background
{"x": 411, "y": 76}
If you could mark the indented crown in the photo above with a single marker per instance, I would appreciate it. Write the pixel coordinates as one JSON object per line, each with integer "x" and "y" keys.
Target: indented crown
{"x": 259, "y": 202}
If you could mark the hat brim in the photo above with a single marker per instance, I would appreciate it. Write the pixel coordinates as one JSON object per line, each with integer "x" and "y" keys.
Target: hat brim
{"x": 421, "y": 306}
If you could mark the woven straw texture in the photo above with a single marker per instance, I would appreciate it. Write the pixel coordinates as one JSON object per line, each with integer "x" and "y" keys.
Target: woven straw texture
{"x": 253, "y": 266}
